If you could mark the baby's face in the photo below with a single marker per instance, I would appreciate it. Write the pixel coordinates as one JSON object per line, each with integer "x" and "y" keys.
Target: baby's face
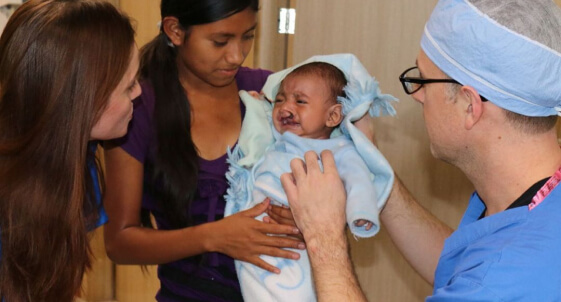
{"x": 302, "y": 107}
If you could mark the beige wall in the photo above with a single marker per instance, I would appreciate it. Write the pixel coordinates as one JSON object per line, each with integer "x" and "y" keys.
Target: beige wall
{"x": 145, "y": 15}
{"x": 271, "y": 48}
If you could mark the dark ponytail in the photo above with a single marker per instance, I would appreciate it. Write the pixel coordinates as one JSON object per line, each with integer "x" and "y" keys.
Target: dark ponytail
{"x": 173, "y": 174}
{"x": 175, "y": 169}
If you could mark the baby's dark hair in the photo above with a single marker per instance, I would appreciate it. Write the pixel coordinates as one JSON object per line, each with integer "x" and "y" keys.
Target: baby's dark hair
{"x": 333, "y": 76}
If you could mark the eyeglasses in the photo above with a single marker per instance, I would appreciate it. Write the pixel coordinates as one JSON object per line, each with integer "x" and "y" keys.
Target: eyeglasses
{"x": 412, "y": 81}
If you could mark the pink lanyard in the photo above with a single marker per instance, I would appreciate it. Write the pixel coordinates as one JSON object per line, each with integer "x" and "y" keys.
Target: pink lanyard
{"x": 546, "y": 189}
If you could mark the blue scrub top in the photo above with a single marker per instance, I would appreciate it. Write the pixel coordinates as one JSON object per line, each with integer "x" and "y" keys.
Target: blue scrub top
{"x": 97, "y": 188}
{"x": 510, "y": 256}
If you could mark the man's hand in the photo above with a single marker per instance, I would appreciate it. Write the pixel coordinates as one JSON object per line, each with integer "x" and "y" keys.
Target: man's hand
{"x": 317, "y": 198}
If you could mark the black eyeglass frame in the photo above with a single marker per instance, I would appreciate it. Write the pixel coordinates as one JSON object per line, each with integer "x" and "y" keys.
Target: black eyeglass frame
{"x": 403, "y": 79}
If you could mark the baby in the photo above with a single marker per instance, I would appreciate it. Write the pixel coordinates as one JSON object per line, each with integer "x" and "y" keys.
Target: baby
{"x": 306, "y": 114}
{"x": 306, "y": 105}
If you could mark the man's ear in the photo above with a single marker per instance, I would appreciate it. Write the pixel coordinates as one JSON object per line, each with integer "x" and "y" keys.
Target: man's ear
{"x": 334, "y": 116}
{"x": 474, "y": 110}
{"x": 173, "y": 29}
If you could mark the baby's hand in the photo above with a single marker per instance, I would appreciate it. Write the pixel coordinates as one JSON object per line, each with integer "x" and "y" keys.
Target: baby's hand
{"x": 257, "y": 95}
{"x": 363, "y": 222}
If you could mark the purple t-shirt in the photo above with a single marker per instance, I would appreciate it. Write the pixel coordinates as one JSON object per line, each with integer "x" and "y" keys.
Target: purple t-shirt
{"x": 213, "y": 278}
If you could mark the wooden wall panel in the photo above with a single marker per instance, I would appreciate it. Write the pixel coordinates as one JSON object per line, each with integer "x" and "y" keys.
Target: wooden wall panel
{"x": 99, "y": 281}
{"x": 270, "y": 51}
{"x": 145, "y": 15}
{"x": 132, "y": 284}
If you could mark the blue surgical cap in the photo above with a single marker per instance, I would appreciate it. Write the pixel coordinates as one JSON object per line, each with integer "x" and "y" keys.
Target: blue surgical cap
{"x": 511, "y": 70}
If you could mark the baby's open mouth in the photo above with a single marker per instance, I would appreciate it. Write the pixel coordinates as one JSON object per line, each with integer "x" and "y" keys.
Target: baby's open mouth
{"x": 287, "y": 121}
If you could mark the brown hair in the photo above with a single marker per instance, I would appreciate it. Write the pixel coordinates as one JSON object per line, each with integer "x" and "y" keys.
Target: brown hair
{"x": 333, "y": 76}
{"x": 526, "y": 124}
{"x": 531, "y": 124}
{"x": 60, "y": 60}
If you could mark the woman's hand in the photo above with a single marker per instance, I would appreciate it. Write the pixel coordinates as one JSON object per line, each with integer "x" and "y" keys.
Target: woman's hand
{"x": 244, "y": 238}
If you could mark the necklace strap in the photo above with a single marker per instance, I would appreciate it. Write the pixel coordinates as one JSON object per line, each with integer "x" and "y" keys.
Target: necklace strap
{"x": 546, "y": 189}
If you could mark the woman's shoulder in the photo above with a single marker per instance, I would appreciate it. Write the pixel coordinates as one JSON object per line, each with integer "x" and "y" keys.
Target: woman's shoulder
{"x": 251, "y": 78}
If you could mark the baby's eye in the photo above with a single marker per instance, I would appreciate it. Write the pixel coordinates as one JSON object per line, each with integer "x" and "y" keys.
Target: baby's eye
{"x": 278, "y": 100}
{"x": 301, "y": 102}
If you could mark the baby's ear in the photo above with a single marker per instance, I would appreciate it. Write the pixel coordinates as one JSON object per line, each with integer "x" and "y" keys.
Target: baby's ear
{"x": 334, "y": 116}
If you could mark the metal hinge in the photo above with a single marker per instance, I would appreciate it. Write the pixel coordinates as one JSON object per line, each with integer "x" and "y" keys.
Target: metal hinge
{"x": 287, "y": 20}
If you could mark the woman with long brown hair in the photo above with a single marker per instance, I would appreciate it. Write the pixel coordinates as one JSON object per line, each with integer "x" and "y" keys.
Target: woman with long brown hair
{"x": 67, "y": 78}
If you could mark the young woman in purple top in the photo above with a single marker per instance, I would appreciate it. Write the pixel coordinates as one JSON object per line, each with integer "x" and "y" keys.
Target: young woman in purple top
{"x": 172, "y": 163}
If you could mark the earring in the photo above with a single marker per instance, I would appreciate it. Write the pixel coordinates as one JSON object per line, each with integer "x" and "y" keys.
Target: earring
{"x": 168, "y": 40}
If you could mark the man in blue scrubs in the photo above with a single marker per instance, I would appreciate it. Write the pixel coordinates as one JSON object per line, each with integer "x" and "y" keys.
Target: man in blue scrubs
{"x": 488, "y": 77}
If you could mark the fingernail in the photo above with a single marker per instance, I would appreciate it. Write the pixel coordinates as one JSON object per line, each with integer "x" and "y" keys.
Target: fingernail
{"x": 276, "y": 271}
{"x": 301, "y": 246}
{"x": 295, "y": 230}
{"x": 295, "y": 256}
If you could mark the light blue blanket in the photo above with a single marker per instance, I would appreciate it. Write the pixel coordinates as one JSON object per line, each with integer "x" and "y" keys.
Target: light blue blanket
{"x": 262, "y": 155}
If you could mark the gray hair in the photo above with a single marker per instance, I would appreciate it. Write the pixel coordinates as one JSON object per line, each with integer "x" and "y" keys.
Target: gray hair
{"x": 538, "y": 20}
